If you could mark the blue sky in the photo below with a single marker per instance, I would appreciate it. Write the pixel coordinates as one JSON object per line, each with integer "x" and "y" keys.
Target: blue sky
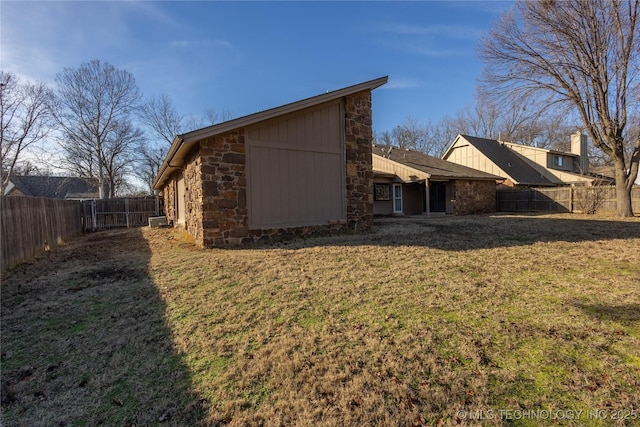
{"x": 244, "y": 57}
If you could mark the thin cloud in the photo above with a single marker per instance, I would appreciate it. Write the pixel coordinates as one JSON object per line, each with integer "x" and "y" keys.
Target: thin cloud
{"x": 449, "y": 31}
{"x": 428, "y": 48}
{"x": 433, "y": 52}
{"x": 401, "y": 83}
{"x": 30, "y": 50}
{"x": 199, "y": 43}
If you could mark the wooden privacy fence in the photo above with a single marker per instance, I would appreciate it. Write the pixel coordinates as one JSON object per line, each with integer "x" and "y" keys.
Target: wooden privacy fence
{"x": 114, "y": 213}
{"x": 563, "y": 199}
{"x": 31, "y": 225}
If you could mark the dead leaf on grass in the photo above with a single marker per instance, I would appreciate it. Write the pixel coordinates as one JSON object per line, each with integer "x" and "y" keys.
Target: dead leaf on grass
{"x": 356, "y": 402}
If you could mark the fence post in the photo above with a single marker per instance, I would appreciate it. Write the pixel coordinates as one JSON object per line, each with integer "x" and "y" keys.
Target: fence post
{"x": 94, "y": 215}
{"x": 126, "y": 210}
{"x": 571, "y": 199}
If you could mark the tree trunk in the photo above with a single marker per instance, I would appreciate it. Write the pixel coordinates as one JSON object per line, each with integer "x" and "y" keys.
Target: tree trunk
{"x": 623, "y": 191}
{"x": 100, "y": 187}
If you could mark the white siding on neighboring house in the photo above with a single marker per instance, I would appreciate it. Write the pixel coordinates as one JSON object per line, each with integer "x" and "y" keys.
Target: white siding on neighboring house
{"x": 547, "y": 163}
{"x": 403, "y": 172}
{"x": 469, "y": 156}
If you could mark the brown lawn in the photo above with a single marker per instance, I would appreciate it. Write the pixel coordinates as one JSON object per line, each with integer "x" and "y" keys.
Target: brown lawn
{"x": 479, "y": 320}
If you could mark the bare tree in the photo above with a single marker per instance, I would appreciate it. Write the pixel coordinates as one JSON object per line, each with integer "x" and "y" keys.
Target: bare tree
{"x": 29, "y": 168}
{"x": 163, "y": 123}
{"x": 410, "y": 134}
{"x": 482, "y": 120}
{"x": 95, "y": 104}
{"x": 150, "y": 158}
{"x": 25, "y": 120}
{"x": 383, "y": 138}
{"x": 161, "y": 117}
{"x": 415, "y": 135}
{"x": 575, "y": 52}
{"x": 214, "y": 116}
{"x": 211, "y": 116}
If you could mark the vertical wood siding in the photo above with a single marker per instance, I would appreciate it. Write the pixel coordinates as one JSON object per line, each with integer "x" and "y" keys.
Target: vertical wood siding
{"x": 403, "y": 172}
{"x": 295, "y": 169}
{"x": 469, "y": 156}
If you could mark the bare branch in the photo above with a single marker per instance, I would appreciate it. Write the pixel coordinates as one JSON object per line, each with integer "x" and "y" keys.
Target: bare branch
{"x": 94, "y": 109}
{"x": 580, "y": 53}
{"x": 24, "y": 121}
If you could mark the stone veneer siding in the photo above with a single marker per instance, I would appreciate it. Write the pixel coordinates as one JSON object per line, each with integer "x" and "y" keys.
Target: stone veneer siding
{"x": 216, "y": 185}
{"x": 193, "y": 194}
{"x": 473, "y": 197}
{"x": 169, "y": 197}
{"x": 358, "y": 138}
{"x": 224, "y": 184}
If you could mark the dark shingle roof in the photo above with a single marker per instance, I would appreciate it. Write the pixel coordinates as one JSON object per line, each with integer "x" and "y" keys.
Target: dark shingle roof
{"x": 434, "y": 166}
{"x": 56, "y": 187}
{"x": 509, "y": 161}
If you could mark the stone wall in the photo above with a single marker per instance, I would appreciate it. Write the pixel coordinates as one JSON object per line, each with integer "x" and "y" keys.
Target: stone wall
{"x": 224, "y": 184}
{"x": 193, "y": 195}
{"x": 473, "y": 197}
{"x": 358, "y": 137}
{"x": 169, "y": 196}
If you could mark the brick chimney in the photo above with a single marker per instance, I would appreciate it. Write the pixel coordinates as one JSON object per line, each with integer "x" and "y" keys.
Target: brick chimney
{"x": 579, "y": 147}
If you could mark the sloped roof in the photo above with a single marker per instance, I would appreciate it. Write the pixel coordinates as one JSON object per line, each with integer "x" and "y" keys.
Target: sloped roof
{"x": 508, "y": 160}
{"x": 56, "y": 187}
{"x": 182, "y": 144}
{"x": 435, "y": 167}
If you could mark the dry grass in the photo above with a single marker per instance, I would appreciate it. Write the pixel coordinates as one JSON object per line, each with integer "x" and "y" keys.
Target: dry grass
{"x": 417, "y": 323}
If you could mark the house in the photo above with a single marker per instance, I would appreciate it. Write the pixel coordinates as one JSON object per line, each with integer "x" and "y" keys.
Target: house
{"x": 523, "y": 166}
{"x": 605, "y": 172}
{"x": 410, "y": 182}
{"x": 54, "y": 187}
{"x": 300, "y": 168}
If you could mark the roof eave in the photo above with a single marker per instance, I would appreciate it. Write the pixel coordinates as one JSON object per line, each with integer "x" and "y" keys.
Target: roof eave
{"x": 451, "y": 146}
{"x": 183, "y": 143}
{"x": 283, "y": 109}
{"x": 166, "y": 168}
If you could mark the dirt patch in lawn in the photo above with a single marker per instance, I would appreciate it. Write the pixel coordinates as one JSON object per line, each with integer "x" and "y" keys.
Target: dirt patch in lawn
{"x": 421, "y": 322}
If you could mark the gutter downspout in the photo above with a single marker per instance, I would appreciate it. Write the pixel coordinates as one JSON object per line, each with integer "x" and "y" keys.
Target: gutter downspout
{"x": 178, "y": 141}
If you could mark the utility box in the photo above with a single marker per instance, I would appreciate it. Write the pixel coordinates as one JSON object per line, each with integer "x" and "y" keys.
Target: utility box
{"x": 158, "y": 221}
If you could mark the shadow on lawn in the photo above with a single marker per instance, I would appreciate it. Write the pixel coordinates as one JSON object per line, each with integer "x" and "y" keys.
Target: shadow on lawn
{"x": 479, "y": 232}
{"x": 84, "y": 340}
{"x": 465, "y": 232}
{"x": 623, "y": 313}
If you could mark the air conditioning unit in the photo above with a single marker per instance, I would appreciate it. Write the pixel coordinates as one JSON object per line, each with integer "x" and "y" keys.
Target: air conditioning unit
{"x": 158, "y": 221}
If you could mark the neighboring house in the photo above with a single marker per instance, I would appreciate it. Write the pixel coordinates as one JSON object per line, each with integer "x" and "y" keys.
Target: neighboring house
{"x": 410, "y": 182}
{"x": 523, "y": 166}
{"x": 609, "y": 171}
{"x": 299, "y": 168}
{"x": 54, "y": 187}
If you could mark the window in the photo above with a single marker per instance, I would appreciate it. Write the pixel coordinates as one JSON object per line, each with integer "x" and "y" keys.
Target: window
{"x": 382, "y": 192}
{"x": 558, "y": 161}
